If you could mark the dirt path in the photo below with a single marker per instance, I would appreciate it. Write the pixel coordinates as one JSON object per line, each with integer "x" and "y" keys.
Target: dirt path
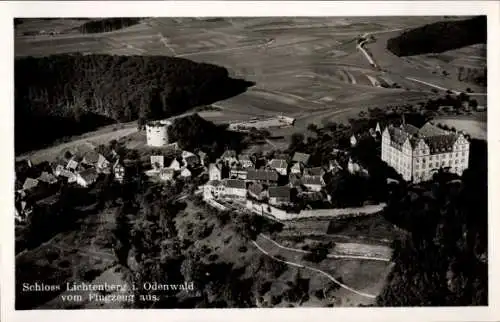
{"x": 331, "y": 255}
{"x": 330, "y": 277}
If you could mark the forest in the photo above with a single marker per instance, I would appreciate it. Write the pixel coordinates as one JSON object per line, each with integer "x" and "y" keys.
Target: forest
{"x": 439, "y": 37}
{"x": 65, "y": 95}
{"x": 107, "y": 24}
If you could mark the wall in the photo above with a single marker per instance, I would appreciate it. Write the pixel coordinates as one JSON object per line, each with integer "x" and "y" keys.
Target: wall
{"x": 265, "y": 209}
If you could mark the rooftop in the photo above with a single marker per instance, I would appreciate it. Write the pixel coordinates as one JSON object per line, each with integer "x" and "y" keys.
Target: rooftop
{"x": 301, "y": 157}
{"x": 235, "y": 183}
{"x": 312, "y": 180}
{"x": 278, "y": 163}
{"x": 266, "y": 175}
{"x": 280, "y": 192}
{"x": 317, "y": 171}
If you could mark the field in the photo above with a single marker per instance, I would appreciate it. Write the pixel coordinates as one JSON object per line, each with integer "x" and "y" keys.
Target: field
{"x": 307, "y": 68}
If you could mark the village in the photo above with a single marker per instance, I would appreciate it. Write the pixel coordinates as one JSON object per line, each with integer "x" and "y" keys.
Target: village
{"x": 278, "y": 186}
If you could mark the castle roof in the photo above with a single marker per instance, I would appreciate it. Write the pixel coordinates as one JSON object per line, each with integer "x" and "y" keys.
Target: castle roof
{"x": 436, "y": 139}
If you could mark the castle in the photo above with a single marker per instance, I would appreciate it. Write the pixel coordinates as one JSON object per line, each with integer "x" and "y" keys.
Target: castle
{"x": 157, "y": 133}
{"x": 417, "y": 153}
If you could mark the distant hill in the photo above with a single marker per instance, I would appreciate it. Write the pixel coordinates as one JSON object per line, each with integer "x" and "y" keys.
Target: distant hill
{"x": 73, "y": 93}
{"x": 439, "y": 37}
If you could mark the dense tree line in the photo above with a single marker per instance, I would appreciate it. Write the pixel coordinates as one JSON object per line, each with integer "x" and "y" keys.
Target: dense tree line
{"x": 439, "y": 37}
{"x": 444, "y": 254}
{"x": 193, "y": 132}
{"x": 107, "y": 24}
{"x": 64, "y": 95}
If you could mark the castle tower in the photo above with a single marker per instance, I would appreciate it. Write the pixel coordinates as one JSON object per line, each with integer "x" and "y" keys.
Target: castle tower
{"x": 157, "y": 133}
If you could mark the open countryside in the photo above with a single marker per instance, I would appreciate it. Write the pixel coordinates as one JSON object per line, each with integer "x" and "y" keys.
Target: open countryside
{"x": 291, "y": 191}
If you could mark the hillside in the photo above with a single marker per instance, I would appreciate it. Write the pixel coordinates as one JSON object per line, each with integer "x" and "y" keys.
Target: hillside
{"x": 439, "y": 37}
{"x": 75, "y": 93}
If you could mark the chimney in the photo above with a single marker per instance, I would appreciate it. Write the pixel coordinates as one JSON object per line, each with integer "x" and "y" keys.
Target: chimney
{"x": 403, "y": 119}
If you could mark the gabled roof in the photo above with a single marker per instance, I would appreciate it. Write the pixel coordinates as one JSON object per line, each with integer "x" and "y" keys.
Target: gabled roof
{"x": 279, "y": 192}
{"x": 278, "y": 163}
{"x": 298, "y": 166}
{"x": 441, "y": 143}
{"x": 316, "y": 171}
{"x": 410, "y": 129}
{"x": 235, "y": 183}
{"x": 312, "y": 180}
{"x": 301, "y": 157}
{"x": 102, "y": 161}
{"x": 266, "y": 175}
{"x": 30, "y": 183}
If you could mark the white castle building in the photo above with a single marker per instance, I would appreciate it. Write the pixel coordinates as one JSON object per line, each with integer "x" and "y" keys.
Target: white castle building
{"x": 417, "y": 153}
{"x": 157, "y": 133}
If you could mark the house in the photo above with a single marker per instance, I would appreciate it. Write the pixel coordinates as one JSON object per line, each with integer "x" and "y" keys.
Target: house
{"x": 314, "y": 183}
{"x": 175, "y": 164}
{"x": 87, "y": 177}
{"x": 239, "y": 173}
{"x": 30, "y": 184}
{"x": 157, "y": 161}
{"x": 103, "y": 164}
{"x": 215, "y": 171}
{"x": 316, "y": 171}
{"x": 279, "y": 195}
{"x": 213, "y": 189}
{"x": 280, "y": 165}
{"x": 73, "y": 164}
{"x": 301, "y": 157}
{"x": 257, "y": 191}
{"x": 267, "y": 176}
{"x": 119, "y": 171}
{"x": 47, "y": 178}
{"x": 297, "y": 168}
{"x": 246, "y": 161}
{"x": 167, "y": 174}
{"x": 203, "y": 157}
{"x": 235, "y": 188}
{"x": 189, "y": 158}
{"x": 185, "y": 173}
{"x": 230, "y": 157}
{"x": 353, "y": 140}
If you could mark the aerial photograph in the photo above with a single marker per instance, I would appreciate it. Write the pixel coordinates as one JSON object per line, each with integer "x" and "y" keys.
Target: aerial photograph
{"x": 250, "y": 162}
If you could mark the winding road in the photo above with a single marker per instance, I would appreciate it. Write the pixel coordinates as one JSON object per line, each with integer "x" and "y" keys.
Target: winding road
{"x": 330, "y": 277}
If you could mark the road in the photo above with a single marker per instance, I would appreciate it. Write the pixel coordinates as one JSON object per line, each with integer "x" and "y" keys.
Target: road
{"x": 443, "y": 88}
{"x": 330, "y": 277}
